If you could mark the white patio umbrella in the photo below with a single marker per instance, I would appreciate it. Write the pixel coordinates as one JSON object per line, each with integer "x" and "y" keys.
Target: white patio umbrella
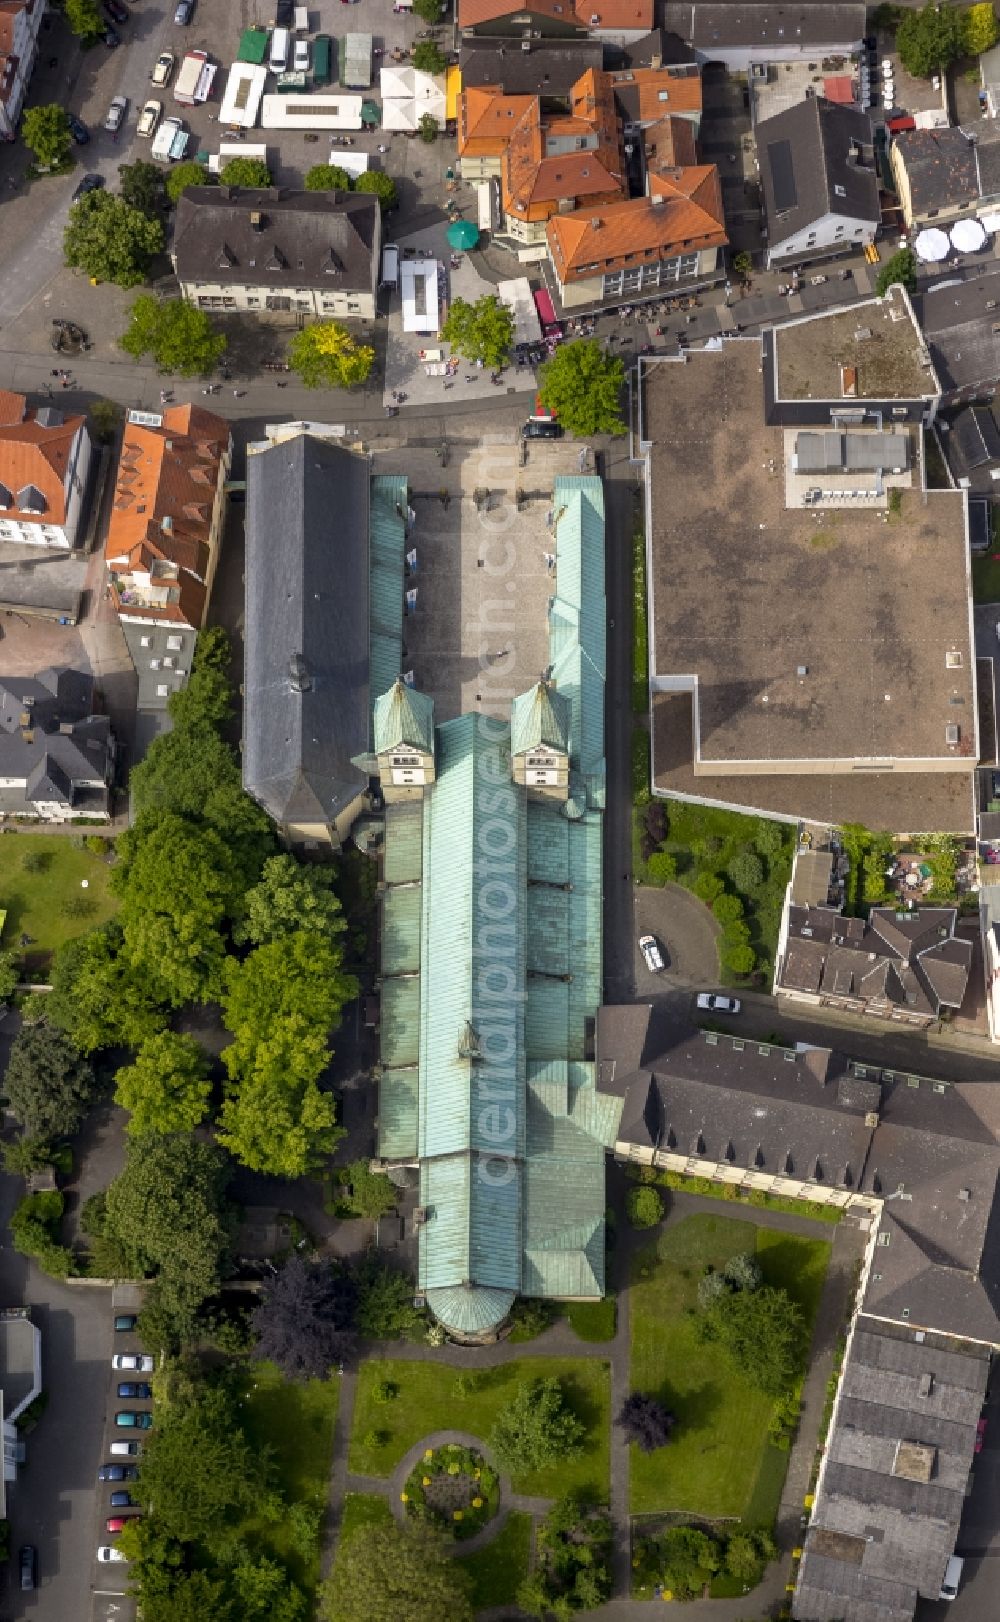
{"x": 931, "y": 246}
{"x": 968, "y": 236}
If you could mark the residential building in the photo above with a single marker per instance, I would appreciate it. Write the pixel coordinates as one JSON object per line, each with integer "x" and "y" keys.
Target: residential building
{"x": 618, "y": 21}
{"x": 756, "y": 32}
{"x": 491, "y": 973}
{"x": 820, "y": 185}
{"x": 989, "y": 919}
{"x": 548, "y": 68}
{"x": 666, "y": 240}
{"x": 20, "y": 1384}
{"x": 56, "y": 756}
{"x": 163, "y": 539}
{"x": 971, "y": 445}
{"x": 20, "y": 23}
{"x": 645, "y": 95}
{"x": 487, "y": 119}
{"x": 863, "y": 709}
{"x": 943, "y": 174}
{"x": 903, "y": 966}
{"x": 325, "y": 543}
{"x": 561, "y": 165}
{"x": 961, "y": 328}
{"x": 278, "y": 252}
{"x": 44, "y": 469}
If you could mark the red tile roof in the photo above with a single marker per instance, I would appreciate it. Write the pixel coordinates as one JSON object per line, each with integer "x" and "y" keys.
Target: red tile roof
{"x": 623, "y": 235}
{"x": 487, "y": 119}
{"x": 536, "y": 180}
{"x": 162, "y": 511}
{"x": 32, "y": 453}
{"x": 631, "y": 15}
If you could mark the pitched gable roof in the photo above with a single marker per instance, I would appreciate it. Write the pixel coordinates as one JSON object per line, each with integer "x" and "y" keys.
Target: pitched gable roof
{"x": 688, "y": 219}
{"x": 487, "y": 119}
{"x": 35, "y": 451}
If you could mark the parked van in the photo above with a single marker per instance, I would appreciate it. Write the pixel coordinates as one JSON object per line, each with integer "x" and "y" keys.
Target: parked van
{"x": 279, "y": 50}
{"x": 952, "y": 1577}
{"x": 390, "y": 266}
{"x": 170, "y": 141}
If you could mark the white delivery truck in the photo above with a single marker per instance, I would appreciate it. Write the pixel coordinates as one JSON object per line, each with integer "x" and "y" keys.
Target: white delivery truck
{"x": 194, "y": 81}
{"x": 170, "y": 141}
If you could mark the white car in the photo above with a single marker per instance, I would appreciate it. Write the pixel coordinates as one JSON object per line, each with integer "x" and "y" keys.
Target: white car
{"x": 164, "y": 68}
{"x": 140, "y": 1361}
{"x": 718, "y": 1005}
{"x": 300, "y": 58}
{"x": 107, "y": 1554}
{"x": 125, "y": 1450}
{"x": 649, "y": 946}
{"x": 149, "y": 117}
{"x": 116, "y": 114}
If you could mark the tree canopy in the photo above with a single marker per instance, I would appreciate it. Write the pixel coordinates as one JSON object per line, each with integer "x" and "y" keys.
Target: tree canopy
{"x": 49, "y": 1084}
{"x": 328, "y": 177}
{"x": 166, "y": 1087}
{"x": 168, "y": 1212}
{"x": 379, "y": 185}
{"x": 291, "y": 898}
{"x": 141, "y": 185}
{"x": 428, "y": 57}
{"x": 10, "y": 974}
{"x": 385, "y": 1309}
{"x": 84, "y": 18}
{"x": 980, "y": 28}
{"x": 245, "y": 172}
{"x": 383, "y": 1573}
{"x": 97, "y": 997}
{"x": 573, "y": 1565}
{"x": 304, "y": 1322}
{"x": 763, "y": 1332}
{"x": 929, "y": 39}
{"x": 902, "y": 268}
{"x": 645, "y": 1421}
{"x": 177, "y": 885}
{"x": 46, "y": 131}
{"x": 179, "y": 337}
{"x": 110, "y": 240}
{"x": 429, "y": 11}
{"x": 199, "y": 1469}
{"x": 480, "y": 331}
{"x": 183, "y": 175}
{"x": 582, "y": 386}
{"x": 324, "y": 355}
{"x": 536, "y": 1427}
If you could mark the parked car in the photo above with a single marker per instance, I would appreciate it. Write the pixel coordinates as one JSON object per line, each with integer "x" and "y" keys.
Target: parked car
{"x": 952, "y": 1579}
{"x": 284, "y": 13}
{"x": 112, "y": 38}
{"x": 184, "y": 12}
{"x": 117, "y": 1472}
{"x": 300, "y": 56}
{"x": 121, "y": 1500}
{"x": 116, "y": 11}
{"x": 78, "y": 129}
{"x": 164, "y": 68}
{"x": 649, "y": 946}
{"x": 126, "y": 1321}
{"x": 88, "y": 183}
{"x": 29, "y": 1568}
{"x": 140, "y": 1361}
{"x": 107, "y": 1553}
{"x": 123, "y": 1450}
{"x": 717, "y": 1004}
{"x": 547, "y": 428}
{"x": 133, "y": 1419}
{"x": 117, "y": 1523}
{"x": 116, "y": 114}
{"x": 138, "y": 1390}
{"x": 981, "y": 1435}
{"x": 149, "y": 117}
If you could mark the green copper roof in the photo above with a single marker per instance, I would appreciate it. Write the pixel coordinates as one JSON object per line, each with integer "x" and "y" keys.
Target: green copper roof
{"x": 564, "y": 937}
{"x": 563, "y": 1187}
{"x": 578, "y": 617}
{"x": 399, "y": 1022}
{"x": 404, "y": 842}
{"x": 472, "y": 1310}
{"x": 387, "y": 562}
{"x": 401, "y": 929}
{"x": 404, "y": 716}
{"x": 397, "y": 1114}
{"x": 540, "y": 716}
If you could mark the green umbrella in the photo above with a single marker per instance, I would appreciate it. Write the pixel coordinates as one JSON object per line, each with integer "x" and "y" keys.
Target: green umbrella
{"x": 462, "y": 234}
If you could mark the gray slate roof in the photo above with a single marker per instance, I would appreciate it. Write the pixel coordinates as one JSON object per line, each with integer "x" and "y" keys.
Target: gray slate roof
{"x": 549, "y": 69}
{"x": 946, "y": 167}
{"x": 306, "y": 701}
{"x": 50, "y": 741}
{"x": 960, "y": 330}
{"x": 326, "y": 240}
{"x": 806, "y": 153}
{"x": 758, "y": 22}
{"x": 913, "y": 961}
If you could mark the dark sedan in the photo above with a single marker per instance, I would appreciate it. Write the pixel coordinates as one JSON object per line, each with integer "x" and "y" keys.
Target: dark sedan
{"x": 116, "y": 11}
{"x": 112, "y": 38}
{"x": 137, "y": 1389}
{"x": 78, "y": 129}
{"x": 88, "y": 183}
{"x": 117, "y": 1472}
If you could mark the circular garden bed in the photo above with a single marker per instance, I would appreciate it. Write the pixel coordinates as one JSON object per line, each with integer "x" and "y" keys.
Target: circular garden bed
{"x": 454, "y": 1489}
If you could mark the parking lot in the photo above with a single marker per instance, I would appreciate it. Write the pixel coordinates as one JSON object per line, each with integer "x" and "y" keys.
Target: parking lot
{"x": 111, "y": 1602}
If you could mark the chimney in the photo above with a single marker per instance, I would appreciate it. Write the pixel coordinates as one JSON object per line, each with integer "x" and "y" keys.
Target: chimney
{"x": 298, "y": 674}
{"x": 256, "y": 220}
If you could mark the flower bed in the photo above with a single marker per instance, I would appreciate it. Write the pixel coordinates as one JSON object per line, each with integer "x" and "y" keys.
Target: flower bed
{"x": 454, "y": 1488}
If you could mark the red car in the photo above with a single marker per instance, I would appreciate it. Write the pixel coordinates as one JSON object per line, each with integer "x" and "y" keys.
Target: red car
{"x": 981, "y": 1435}
{"x": 118, "y": 1523}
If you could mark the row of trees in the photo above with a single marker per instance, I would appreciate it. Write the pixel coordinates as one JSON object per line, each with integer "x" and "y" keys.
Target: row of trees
{"x": 930, "y": 39}
{"x": 682, "y": 1561}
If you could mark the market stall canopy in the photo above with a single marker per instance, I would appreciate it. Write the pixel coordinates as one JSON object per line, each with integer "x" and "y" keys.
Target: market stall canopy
{"x": 462, "y": 234}
{"x": 968, "y": 236}
{"x": 932, "y": 246}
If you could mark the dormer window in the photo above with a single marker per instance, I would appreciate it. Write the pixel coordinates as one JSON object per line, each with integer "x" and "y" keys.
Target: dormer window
{"x": 30, "y": 499}
{"x": 6, "y": 499}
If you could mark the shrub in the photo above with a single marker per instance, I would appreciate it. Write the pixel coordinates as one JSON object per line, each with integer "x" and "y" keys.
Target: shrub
{"x": 711, "y": 1286}
{"x": 375, "y": 1438}
{"x": 743, "y": 1272}
{"x": 644, "y": 1207}
{"x": 769, "y": 837}
{"x": 385, "y": 1391}
{"x": 662, "y": 867}
{"x": 728, "y": 909}
{"x": 640, "y": 766}
{"x": 707, "y": 887}
{"x": 655, "y": 821}
{"x": 746, "y": 871}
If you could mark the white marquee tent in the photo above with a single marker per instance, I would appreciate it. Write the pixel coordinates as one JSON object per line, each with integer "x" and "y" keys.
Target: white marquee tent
{"x": 407, "y": 94}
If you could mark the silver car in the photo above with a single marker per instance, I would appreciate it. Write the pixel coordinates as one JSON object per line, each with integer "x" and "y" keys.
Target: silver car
{"x": 116, "y": 115}
{"x": 649, "y": 946}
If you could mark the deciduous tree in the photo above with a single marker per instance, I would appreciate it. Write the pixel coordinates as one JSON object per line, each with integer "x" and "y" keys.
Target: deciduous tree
{"x": 384, "y": 1573}
{"x": 385, "y": 1309}
{"x": 583, "y": 387}
{"x": 928, "y": 39}
{"x": 48, "y": 1083}
{"x": 46, "y": 131}
{"x": 902, "y": 268}
{"x": 536, "y": 1427}
{"x": 178, "y": 884}
{"x": 110, "y": 240}
{"x": 324, "y": 355}
{"x": 379, "y": 185}
{"x": 141, "y": 185}
{"x": 304, "y": 1322}
{"x": 166, "y": 1087}
{"x": 200, "y": 1471}
{"x": 428, "y": 57}
{"x": 646, "y": 1421}
{"x": 245, "y": 172}
{"x": 980, "y": 28}
{"x": 178, "y": 337}
{"x": 480, "y": 331}
{"x": 291, "y": 897}
{"x": 84, "y": 18}
{"x": 97, "y": 997}
{"x": 328, "y": 177}
{"x": 275, "y": 1118}
{"x": 764, "y": 1334}
{"x": 183, "y": 175}
{"x": 643, "y": 1207}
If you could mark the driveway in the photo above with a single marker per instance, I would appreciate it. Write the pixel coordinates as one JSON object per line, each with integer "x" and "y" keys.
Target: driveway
{"x": 686, "y": 932}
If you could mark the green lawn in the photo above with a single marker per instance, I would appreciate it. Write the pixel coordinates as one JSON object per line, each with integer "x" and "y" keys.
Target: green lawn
{"x": 427, "y": 1401}
{"x": 498, "y": 1570}
{"x": 986, "y": 578}
{"x": 593, "y": 1320}
{"x": 295, "y": 1420}
{"x": 36, "y": 902}
{"x": 363, "y": 1509}
{"x": 719, "y": 1462}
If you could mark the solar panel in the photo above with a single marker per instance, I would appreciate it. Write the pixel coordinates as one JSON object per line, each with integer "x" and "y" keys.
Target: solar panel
{"x": 779, "y": 156}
